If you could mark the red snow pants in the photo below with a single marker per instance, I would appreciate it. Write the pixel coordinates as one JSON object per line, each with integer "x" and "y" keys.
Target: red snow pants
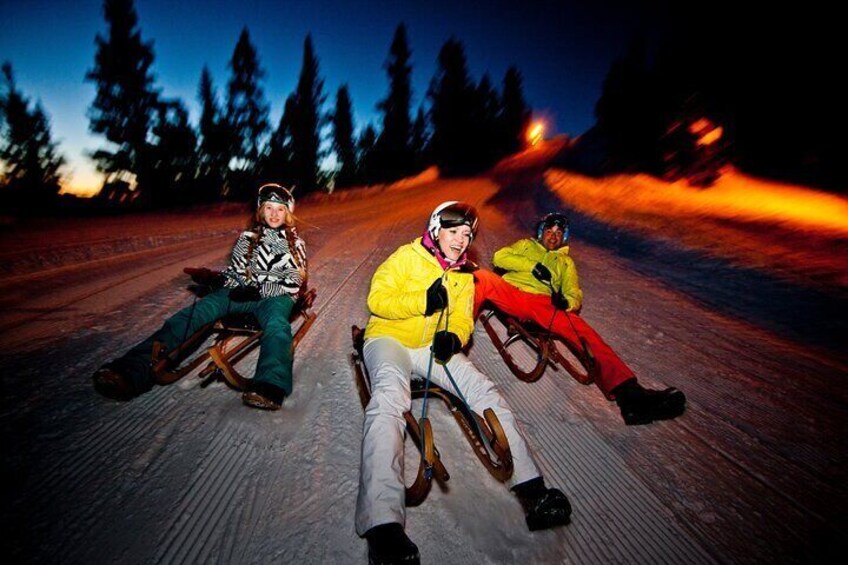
{"x": 611, "y": 370}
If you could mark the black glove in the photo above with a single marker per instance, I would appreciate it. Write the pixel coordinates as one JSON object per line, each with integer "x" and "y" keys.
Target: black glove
{"x": 559, "y": 301}
{"x": 206, "y": 277}
{"x": 437, "y": 297}
{"x": 445, "y": 344}
{"x": 244, "y": 294}
{"x": 542, "y": 273}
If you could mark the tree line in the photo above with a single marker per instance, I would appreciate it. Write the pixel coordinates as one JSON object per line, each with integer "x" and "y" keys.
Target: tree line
{"x": 154, "y": 156}
{"x": 680, "y": 112}
{"x": 723, "y": 86}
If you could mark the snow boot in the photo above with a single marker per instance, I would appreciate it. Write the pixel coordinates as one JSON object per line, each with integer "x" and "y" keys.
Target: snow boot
{"x": 543, "y": 507}
{"x": 641, "y": 405}
{"x": 264, "y": 396}
{"x": 112, "y": 384}
{"x": 388, "y": 544}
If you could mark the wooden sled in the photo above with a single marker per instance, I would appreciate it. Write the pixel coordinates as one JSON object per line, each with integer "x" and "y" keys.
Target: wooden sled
{"x": 484, "y": 434}
{"x": 235, "y": 336}
{"x": 548, "y": 348}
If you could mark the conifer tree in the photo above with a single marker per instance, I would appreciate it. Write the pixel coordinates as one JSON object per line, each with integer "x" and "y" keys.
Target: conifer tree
{"x": 419, "y": 140}
{"x": 278, "y": 165}
{"x": 214, "y": 149}
{"x": 174, "y": 155}
{"x": 515, "y": 116}
{"x": 485, "y": 146}
{"x": 629, "y": 113}
{"x": 125, "y": 103}
{"x": 343, "y": 143}
{"x": 30, "y": 165}
{"x": 247, "y": 114}
{"x": 392, "y": 154}
{"x": 452, "y": 100}
{"x": 365, "y": 150}
{"x": 307, "y": 121}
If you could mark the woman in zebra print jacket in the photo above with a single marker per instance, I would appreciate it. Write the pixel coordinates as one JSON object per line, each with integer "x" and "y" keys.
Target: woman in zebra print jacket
{"x": 266, "y": 273}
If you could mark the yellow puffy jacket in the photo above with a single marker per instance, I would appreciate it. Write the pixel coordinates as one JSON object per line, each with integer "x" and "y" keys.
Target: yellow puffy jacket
{"x": 520, "y": 258}
{"x": 398, "y": 298}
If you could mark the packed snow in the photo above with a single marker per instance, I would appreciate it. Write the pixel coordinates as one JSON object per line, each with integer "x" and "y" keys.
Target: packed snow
{"x": 735, "y": 297}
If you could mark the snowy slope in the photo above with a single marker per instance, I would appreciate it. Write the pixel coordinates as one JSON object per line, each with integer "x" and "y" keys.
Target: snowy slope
{"x": 754, "y": 472}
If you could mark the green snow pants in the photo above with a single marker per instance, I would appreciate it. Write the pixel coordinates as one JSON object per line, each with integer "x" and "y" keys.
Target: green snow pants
{"x": 275, "y": 352}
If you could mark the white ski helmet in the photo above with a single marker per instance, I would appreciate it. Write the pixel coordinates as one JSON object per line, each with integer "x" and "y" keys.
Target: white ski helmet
{"x": 452, "y": 214}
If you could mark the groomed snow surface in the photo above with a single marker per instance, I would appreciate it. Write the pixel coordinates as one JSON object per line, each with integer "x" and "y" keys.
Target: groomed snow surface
{"x": 754, "y": 472}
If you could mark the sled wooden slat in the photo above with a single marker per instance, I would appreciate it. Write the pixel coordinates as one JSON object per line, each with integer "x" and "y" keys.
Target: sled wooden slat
{"x": 492, "y": 447}
{"x": 545, "y": 345}
{"x": 220, "y": 357}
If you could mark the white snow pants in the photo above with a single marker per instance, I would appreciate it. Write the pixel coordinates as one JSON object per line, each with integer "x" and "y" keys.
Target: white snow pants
{"x": 390, "y": 366}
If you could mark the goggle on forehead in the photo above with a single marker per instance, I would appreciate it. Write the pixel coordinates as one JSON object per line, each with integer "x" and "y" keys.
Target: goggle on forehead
{"x": 276, "y": 193}
{"x": 560, "y": 222}
{"x": 458, "y": 216}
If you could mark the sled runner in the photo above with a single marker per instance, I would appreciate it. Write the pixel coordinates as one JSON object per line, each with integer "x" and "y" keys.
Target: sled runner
{"x": 484, "y": 434}
{"x": 548, "y": 349}
{"x": 235, "y": 336}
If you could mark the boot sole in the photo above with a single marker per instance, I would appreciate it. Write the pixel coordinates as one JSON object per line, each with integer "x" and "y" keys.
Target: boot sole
{"x": 255, "y": 400}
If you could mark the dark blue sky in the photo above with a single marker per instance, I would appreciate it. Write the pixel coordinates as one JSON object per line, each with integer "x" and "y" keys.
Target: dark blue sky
{"x": 562, "y": 48}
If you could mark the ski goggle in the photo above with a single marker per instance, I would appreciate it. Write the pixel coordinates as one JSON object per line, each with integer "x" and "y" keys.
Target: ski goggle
{"x": 451, "y": 215}
{"x": 550, "y": 221}
{"x": 459, "y": 215}
{"x": 275, "y": 193}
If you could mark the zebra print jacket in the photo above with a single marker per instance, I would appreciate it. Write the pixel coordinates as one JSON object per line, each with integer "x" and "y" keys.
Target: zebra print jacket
{"x": 274, "y": 260}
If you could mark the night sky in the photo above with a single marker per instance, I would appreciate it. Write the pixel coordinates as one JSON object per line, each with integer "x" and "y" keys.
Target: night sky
{"x": 563, "y": 50}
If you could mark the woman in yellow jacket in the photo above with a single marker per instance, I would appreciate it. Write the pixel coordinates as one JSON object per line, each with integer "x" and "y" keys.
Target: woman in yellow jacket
{"x": 421, "y": 301}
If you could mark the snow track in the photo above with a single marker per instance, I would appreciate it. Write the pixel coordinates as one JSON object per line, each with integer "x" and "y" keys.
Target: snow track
{"x": 755, "y": 471}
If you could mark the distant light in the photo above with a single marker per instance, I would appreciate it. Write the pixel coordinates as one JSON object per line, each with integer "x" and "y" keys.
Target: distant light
{"x": 706, "y": 131}
{"x": 535, "y": 133}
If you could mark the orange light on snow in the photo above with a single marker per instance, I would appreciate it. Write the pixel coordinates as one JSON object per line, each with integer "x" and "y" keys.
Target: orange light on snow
{"x": 535, "y": 133}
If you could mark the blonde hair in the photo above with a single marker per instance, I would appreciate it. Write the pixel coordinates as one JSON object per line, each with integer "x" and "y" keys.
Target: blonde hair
{"x": 289, "y": 219}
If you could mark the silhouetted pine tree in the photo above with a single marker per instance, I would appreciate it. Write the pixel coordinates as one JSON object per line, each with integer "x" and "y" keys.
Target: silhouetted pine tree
{"x": 630, "y": 113}
{"x": 452, "y": 106}
{"x": 214, "y": 150}
{"x": 419, "y": 140}
{"x": 365, "y": 149}
{"x": 247, "y": 116}
{"x": 125, "y": 104}
{"x": 392, "y": 153}
{"x": 343, "y": 143}
{"x": 307, "y": 121}
{"x": 29, "y": 163}
{"x": 485, "y": 145}
{"x": 174, "y": 155}
{"x": 278, "y": 163}
{"x": 515, "y": 116}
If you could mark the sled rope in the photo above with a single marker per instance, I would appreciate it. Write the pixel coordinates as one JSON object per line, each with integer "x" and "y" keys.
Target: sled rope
{"x": 430, "y": 368}
{"x": 580, "y": 338}
{"x": 483, "y": 436}
{"x": 446, "y": 315}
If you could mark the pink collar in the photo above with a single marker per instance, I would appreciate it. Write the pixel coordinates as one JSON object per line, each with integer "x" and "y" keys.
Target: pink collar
{"x": 434, "y": 250}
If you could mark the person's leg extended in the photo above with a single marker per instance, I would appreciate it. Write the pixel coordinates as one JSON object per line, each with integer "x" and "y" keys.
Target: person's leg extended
{"x": 135, "y": 364}
{"x": 276, "y": 358}
{"x": 480, "y": 392}
{"x": 382, "y": 493}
